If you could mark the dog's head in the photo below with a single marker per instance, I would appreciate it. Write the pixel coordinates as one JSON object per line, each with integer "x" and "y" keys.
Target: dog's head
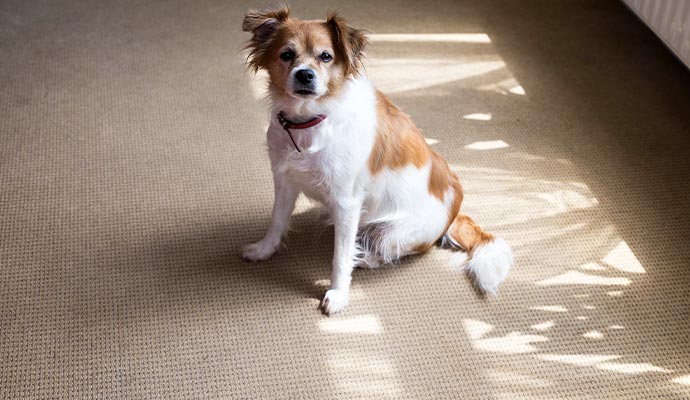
{"x": 304, "y": 59}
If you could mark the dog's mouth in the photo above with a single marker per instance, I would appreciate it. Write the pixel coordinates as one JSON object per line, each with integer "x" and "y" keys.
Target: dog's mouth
{"x": 305, "y": 92}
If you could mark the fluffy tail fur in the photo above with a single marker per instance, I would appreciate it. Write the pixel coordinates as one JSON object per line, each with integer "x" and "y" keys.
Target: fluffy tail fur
{"x": 489, "y": 258}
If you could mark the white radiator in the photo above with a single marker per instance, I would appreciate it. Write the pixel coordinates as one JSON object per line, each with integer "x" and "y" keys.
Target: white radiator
{"x": 670, "y": 20}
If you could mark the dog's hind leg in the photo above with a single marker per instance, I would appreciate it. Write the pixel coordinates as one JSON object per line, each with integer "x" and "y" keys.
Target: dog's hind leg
{"x": 384, "y": 243}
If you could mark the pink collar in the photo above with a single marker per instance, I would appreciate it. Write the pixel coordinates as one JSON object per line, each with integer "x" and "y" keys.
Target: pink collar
{"x": 287, "y": 125}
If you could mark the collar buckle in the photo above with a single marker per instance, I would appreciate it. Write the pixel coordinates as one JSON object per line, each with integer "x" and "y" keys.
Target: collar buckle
{"x": 283, "y": 121}
{"x": 287, "y": 125}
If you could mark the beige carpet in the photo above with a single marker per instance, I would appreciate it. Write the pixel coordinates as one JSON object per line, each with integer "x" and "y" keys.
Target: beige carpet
{"x": 133, "y": 167}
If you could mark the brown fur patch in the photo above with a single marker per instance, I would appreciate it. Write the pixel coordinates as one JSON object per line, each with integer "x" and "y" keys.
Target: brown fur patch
{"x": 467, "y": 233}
{"x": 422, "y": 248}
{"x": 398, "y": 141}
{"x": 439, "y": 176}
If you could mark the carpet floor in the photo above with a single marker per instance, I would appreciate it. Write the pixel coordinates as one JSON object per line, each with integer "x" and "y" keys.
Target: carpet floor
{"x": 133, "y": 167}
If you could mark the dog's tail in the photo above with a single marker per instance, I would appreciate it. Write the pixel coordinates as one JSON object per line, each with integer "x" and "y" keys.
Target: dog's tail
{"x": 489, "y": 258}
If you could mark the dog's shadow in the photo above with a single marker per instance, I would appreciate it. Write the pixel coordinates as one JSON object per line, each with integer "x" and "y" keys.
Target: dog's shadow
{"x": 302, "y": 263}
{"x": 213, "y": 253}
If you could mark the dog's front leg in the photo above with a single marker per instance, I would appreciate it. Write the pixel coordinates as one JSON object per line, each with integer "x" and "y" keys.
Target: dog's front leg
{"x": 345, "y": 213}
{"x": 285, "y": 197}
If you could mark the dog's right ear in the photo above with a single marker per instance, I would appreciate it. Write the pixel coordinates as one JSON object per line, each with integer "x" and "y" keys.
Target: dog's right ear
{"x": 263, "y": 24}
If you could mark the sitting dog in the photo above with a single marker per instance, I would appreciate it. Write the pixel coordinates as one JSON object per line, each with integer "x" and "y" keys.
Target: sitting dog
{"x": 338, "y": 140}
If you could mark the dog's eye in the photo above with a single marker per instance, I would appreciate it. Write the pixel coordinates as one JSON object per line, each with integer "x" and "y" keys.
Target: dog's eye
{"x": 287, "y": 55}
{"x": 325, "y": 57}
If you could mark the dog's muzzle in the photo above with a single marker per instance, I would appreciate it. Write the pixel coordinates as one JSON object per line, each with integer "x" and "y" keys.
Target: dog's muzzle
{"x": 305, "y": 82}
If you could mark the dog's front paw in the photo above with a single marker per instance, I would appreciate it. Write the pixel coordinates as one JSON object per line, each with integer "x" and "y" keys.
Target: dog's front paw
{"x": 334, "y": 301}
{"x": 258, "y": 251}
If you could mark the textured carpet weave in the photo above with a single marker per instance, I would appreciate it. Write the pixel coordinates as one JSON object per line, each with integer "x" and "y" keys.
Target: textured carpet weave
{"x": 133, "y": 167}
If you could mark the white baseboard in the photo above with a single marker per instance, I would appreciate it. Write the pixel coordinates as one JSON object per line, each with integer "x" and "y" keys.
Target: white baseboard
{"x": 670, "y": 20}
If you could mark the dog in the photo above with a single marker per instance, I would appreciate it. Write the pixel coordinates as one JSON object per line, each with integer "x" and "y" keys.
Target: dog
{"x": 338, "y": 140}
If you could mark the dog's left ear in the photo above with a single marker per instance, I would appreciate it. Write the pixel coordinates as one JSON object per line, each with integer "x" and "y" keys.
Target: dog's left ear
{"x": 349, "y": 41}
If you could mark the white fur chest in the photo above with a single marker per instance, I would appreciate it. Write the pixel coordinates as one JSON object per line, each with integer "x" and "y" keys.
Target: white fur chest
{"x": 334, "y": 153}
{"x": 313, "y": 169}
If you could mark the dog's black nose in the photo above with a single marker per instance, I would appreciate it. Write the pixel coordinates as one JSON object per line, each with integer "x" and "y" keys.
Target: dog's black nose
{"x": 305, "y": 76}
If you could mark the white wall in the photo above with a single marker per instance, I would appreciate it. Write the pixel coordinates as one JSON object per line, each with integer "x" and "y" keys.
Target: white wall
{"x": 670, "y": 20}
